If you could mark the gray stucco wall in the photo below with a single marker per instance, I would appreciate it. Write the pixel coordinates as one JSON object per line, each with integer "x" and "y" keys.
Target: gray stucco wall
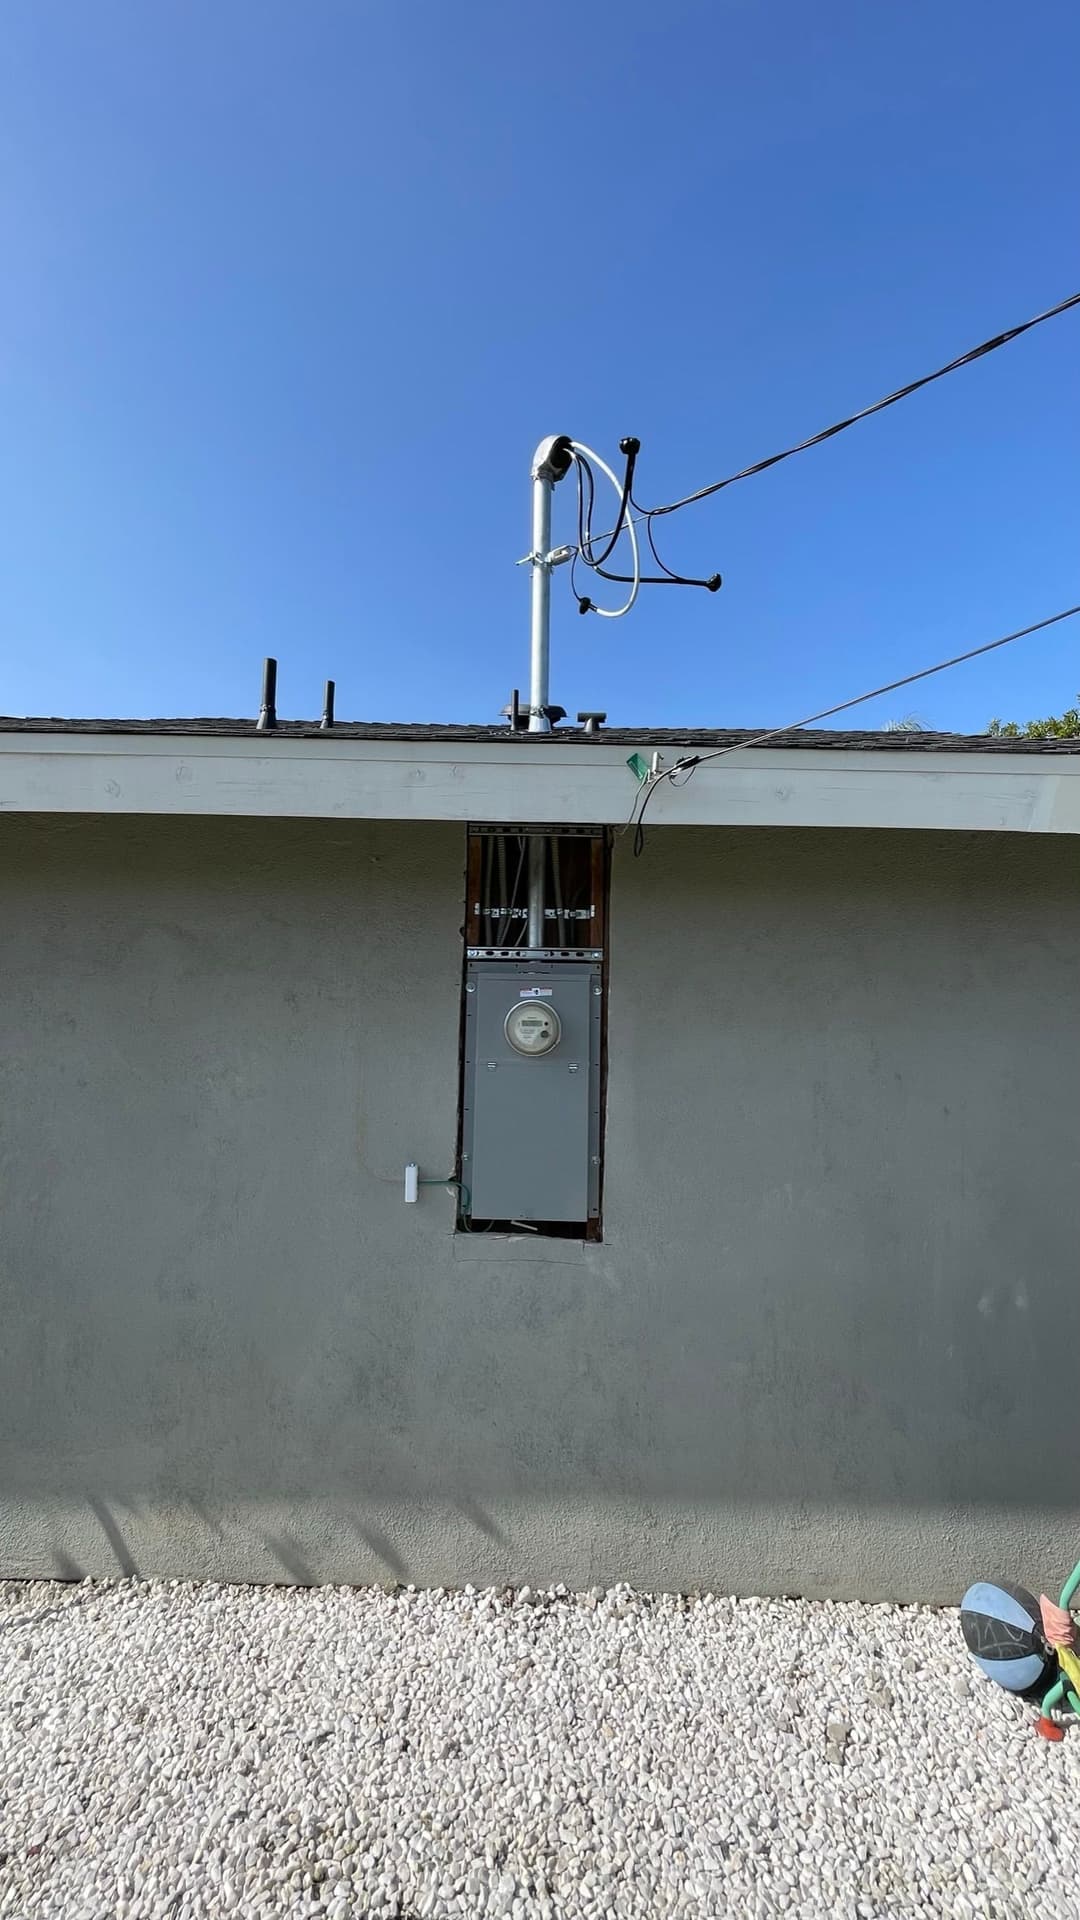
{"x": 827, "y": 1346}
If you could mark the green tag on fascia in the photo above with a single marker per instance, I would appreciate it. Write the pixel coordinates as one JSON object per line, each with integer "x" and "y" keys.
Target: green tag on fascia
{"x": 638, "y": 767}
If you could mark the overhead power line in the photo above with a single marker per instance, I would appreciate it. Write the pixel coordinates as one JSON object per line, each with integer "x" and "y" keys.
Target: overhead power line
{"x": 690, "y": 762}
{"x": 839, "y": 426}
{"x": 865, "y": 413}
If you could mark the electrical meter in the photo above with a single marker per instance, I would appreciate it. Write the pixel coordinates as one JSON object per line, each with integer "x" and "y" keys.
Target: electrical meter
{"x": 531, "y": 1027}
{"x": 530, "y": 1122}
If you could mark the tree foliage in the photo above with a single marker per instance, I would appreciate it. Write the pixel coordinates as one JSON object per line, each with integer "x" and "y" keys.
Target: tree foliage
{"x": 1061, "y": 726}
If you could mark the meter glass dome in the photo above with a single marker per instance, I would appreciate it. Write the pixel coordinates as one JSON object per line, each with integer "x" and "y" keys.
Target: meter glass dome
{"x": 533, "y": 1028}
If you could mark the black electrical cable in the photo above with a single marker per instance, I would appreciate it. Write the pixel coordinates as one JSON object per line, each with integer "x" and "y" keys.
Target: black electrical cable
{"x": 690, "y": 762}
{"x": 631, "y": 448}
{"x": 584, "y": 520}
{"x": 652, "y": 546}
{"x": 711, "y": 585}
{"x": 839, "y": 426}
{"x": 664, "y": 579}
{"x": 584, "y": 477}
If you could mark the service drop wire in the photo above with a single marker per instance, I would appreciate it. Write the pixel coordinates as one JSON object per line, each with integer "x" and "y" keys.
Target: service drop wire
{"x": 689, "y": 763}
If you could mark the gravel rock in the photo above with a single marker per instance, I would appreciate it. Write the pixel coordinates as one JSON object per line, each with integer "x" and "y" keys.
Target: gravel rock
{"x": 185, "y": 1752}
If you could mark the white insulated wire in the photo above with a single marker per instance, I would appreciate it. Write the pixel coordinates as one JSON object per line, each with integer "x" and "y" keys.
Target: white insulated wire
{"x": 578, "y": 447}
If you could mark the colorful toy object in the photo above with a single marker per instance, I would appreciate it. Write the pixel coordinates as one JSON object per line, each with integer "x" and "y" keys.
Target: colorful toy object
{"x": 1019, "y": 1642}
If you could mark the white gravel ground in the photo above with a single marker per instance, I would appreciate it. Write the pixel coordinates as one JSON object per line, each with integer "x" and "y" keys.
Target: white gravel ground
{"x": 175, "y": 1750}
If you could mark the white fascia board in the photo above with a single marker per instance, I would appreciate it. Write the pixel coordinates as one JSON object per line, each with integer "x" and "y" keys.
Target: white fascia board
{"x": 588, "y": 783}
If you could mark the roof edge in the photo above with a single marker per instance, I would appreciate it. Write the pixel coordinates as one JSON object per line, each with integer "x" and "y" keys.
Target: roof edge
{"x": 807, "y": 738}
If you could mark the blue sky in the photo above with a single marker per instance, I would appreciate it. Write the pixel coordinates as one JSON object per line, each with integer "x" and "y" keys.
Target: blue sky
{"x": 291, "y": 292}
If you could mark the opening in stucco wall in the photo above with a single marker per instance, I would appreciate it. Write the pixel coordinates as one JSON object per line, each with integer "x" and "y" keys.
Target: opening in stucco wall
{"x": 533, "y": 1032}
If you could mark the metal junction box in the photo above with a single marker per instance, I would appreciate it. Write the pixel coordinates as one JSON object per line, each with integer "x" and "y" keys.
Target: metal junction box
{"x": 531, "y": 1110}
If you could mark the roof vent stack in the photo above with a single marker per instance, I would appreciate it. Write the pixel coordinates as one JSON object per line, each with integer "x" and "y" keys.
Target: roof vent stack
{"x": 267, "y": 719}
{"x": 518, "y": 721}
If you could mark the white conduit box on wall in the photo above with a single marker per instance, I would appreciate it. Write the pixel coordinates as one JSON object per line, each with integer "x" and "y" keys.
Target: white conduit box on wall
{"x": 412, "y": 1181}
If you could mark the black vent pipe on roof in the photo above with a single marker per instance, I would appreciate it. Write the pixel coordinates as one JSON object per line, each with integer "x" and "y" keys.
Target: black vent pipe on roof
{"x": 267, "y": 719}
{"x": 327, "y": 720}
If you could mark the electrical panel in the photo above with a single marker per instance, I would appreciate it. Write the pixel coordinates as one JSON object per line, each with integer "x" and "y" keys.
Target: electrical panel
{"x": 531, "y": 1109}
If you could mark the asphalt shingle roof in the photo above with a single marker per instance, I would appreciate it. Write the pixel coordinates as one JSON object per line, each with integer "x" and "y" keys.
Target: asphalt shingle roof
{"x": 811, "y": 738}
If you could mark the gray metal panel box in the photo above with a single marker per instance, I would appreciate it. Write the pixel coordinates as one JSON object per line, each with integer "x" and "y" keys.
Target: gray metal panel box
{"x": 531, "y": 1124}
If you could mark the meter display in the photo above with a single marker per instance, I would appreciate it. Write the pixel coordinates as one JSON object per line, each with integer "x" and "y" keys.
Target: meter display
{"x": 532, "y": 1028}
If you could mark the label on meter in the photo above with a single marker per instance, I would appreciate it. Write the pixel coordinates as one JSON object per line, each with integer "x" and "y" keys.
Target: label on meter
{"x": 536, "y": 993}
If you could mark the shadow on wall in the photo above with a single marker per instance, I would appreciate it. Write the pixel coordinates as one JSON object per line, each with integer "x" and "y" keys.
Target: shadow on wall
{"x": 114, "y": 1536}
{"x": 841, "y": 1214}
{"x": 284, "y": 1555}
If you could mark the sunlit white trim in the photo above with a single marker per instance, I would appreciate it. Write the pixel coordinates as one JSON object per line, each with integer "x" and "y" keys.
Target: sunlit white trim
{"x": 587, "y": 782}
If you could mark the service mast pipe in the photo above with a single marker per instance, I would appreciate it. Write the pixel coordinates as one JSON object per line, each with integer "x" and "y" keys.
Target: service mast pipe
{"x": 551, "y": 462}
